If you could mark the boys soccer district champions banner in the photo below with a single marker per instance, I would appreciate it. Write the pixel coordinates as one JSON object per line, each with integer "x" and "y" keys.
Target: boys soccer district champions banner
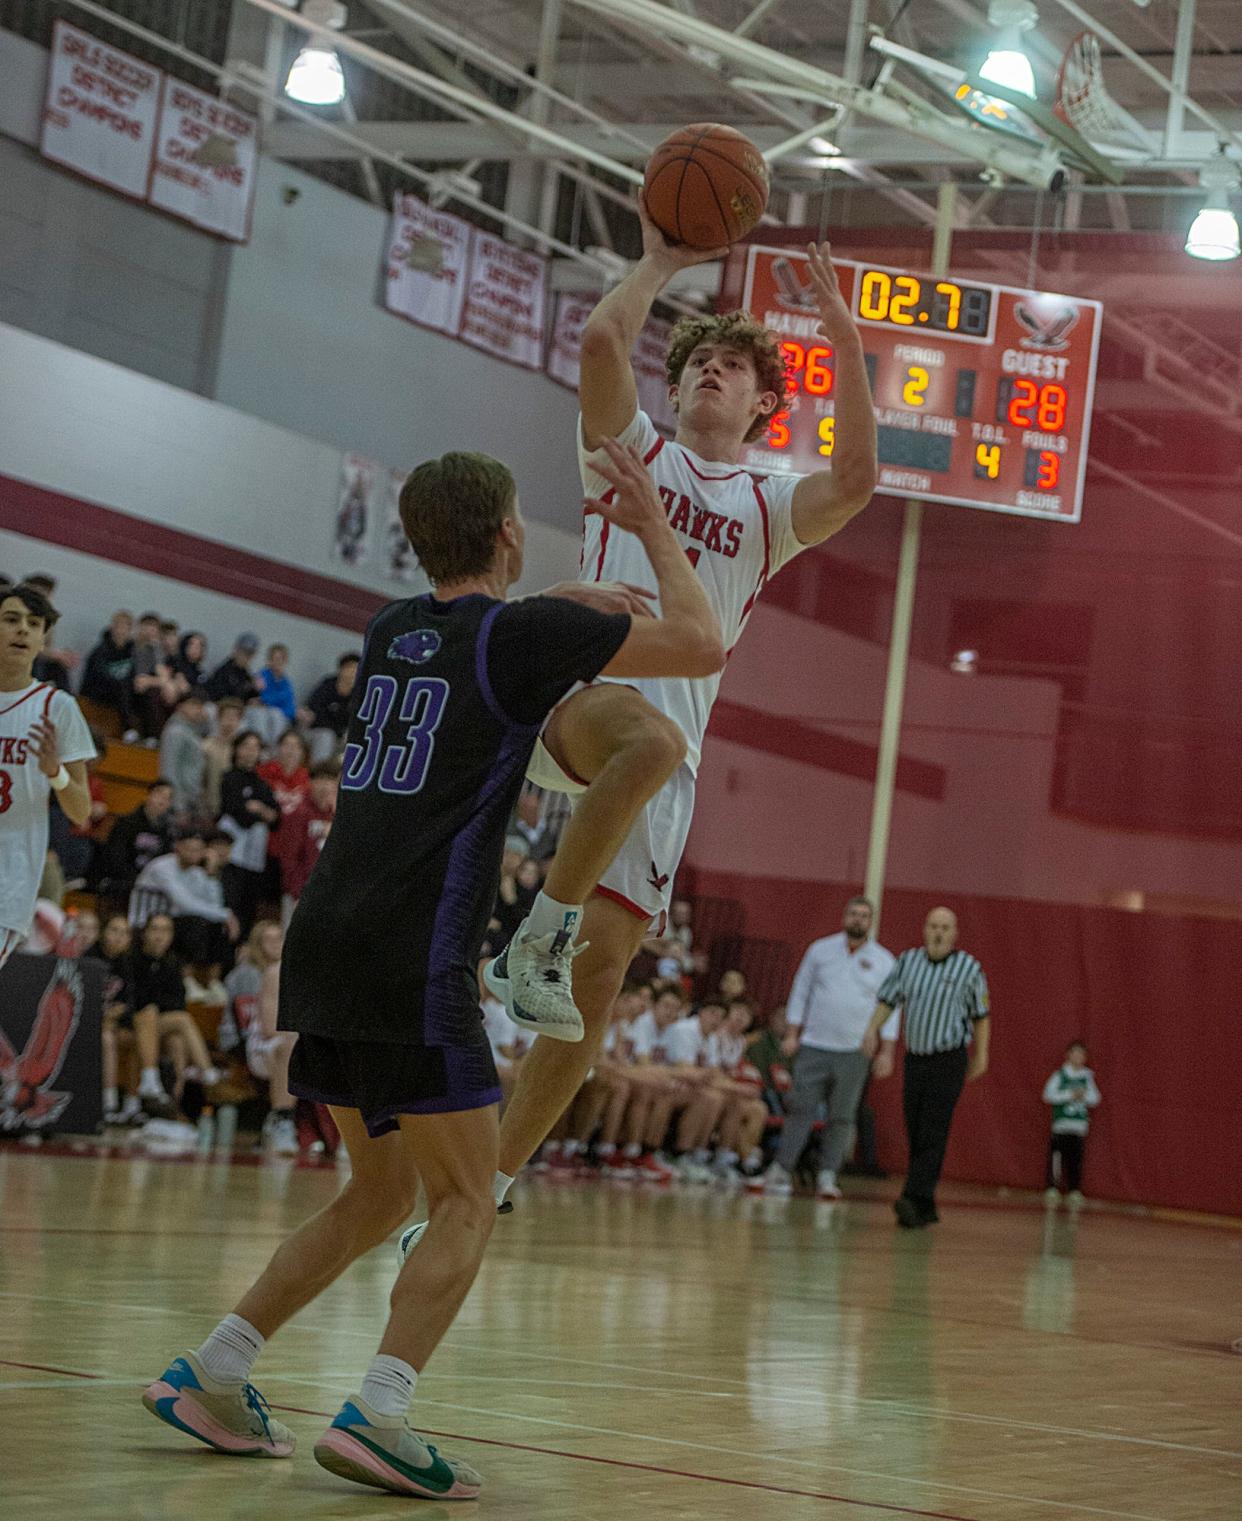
{"x": 204, "y": 166}
{"x": 101, "y": 111}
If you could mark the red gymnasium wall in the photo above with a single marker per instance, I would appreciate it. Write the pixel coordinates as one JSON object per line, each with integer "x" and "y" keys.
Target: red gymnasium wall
{"x": 1079, "y": 800}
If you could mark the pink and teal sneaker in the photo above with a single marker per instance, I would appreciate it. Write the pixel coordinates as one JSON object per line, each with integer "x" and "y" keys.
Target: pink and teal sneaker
{"x": 232, "y": 1418}
{"x": 383, "y": 1452}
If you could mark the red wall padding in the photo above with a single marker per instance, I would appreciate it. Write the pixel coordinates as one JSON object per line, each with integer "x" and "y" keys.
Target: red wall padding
{"x": 1155, "y": 998}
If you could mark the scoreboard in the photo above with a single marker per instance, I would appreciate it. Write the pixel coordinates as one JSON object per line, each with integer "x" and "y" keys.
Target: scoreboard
{"x": 982, "y": 393}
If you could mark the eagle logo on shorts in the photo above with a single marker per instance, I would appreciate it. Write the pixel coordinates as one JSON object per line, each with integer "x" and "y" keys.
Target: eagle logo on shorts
{"x": 418, "y": 646}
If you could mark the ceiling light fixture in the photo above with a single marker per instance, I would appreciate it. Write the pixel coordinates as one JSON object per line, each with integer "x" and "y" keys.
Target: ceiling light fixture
{"x": 316, "y": 78}
{"x": 1214, "y": 232}
{"x": 1007, "y": 64}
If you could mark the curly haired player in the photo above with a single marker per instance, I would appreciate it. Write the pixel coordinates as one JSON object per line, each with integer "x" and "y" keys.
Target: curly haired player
{"x": 737, "y": 527}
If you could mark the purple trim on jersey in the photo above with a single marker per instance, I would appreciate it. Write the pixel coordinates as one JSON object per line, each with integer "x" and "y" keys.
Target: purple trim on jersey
{"x": 481, "y": 674}
{"x": 382, "y": 1121}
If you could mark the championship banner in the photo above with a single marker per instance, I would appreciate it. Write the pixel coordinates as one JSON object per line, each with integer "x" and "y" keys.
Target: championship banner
{"x": 400, "y": 561}
{"x": 565, "y": 357}
{"x": 650, "y": 375}
{"x": 427, "y": 265}
{"x": 101, "y": 109}
{"x": 507, "y": 302}
{"x": 565, "y": 350}
{"x": 51, "y": 1019}
{"x": 205, "y": 157}
{"x": 353, "y": 509}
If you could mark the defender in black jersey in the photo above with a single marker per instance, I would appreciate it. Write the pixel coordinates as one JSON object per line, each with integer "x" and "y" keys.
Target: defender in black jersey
{"x": 378, "y": 972}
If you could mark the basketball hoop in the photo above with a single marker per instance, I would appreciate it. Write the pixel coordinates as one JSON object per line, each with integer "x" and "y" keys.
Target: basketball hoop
{"x": 1084, "y": 102}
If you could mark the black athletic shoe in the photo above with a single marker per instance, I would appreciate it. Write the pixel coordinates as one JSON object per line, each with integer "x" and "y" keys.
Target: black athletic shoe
{"x": 909, "y": 1216}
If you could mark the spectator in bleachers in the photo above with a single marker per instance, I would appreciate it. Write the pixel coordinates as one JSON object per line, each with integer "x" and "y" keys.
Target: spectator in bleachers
{"x": 160, "y": 1016}
{"x": 218, "y": 749}
{"x": 512, "y": 902}
{"x": 275, "y": 687}
{"x": 170, "y": 638}
{"x": 187, "y": 663}
{"x": 732, "y": 985}
{"x": 109, "y": 668}
{"x": 115, "y": 944}
{"x": 306, "y": 829}
{"x": 652, "y": 1096}
{"x": 287, "y": 775}
{"x": 766, "y": 1054}
{"x": 178, "y": 884}
{"x": 249, "y": 1029}
{"x": 53, "y": 665}
{"x": 137, "y": 838}
{"x": 151, "y": 679}
{"x": 326, "y": 714}
{"x": 77, "y": 846}
{"x": 182, "y": 759}
{"x": 528, "y": 821}
{"x": 232, "y": 678}
{"x": 248, "y": 814}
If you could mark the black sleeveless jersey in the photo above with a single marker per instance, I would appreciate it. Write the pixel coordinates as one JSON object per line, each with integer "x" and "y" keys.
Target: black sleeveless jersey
{"x": 449, "y": 699}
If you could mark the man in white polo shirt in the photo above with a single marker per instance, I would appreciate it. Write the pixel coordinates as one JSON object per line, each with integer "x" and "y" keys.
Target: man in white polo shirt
{"x": 829, "y": 1009}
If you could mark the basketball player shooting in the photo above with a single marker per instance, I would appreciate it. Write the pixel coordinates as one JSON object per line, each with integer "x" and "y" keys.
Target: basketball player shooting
{"x": 44, "y": 747}
{"x": 378, "y": 973}
{"x": 737, "y": 528}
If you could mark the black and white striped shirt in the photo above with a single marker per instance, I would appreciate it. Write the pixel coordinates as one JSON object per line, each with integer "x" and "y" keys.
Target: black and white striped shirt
{"x": 942, "y": 999}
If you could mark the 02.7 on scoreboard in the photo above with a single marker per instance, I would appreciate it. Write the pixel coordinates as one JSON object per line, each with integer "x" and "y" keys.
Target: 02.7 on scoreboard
{"x": 983, "y": 393}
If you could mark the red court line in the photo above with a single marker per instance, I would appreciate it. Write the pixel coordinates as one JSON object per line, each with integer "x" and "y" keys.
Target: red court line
{"x": 6, "y": 1362}
{"x": 676, "y": 1473}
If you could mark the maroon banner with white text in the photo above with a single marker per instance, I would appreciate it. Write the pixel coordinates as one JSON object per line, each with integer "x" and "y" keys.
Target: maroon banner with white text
{"x": 100, "y": 113}
{"x": 565, "y": 357}
{"x": 205, "y": 158}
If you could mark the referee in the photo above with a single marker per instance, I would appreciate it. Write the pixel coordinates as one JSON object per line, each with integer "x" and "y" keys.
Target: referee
{"x": 945, "y": 997}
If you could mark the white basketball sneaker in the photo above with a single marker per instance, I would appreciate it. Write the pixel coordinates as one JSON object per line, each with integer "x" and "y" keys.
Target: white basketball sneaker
{"x": 777, "y": 1181}
{"x": 826, "y": 1185}
{"x": 534, "y": 980}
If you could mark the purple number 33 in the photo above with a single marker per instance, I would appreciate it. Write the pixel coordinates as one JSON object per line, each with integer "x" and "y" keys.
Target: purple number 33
{"x": 402, "y": 767}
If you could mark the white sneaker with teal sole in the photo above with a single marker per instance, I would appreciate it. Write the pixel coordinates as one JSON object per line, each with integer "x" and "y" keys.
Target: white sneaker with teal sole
{"x": 534, "y": 980}
{"x": 232, "y": 1418}
{"x": 383, "y": 1452}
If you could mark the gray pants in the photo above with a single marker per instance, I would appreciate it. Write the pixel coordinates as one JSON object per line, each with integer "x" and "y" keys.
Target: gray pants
{"x": 839, "y": 1077}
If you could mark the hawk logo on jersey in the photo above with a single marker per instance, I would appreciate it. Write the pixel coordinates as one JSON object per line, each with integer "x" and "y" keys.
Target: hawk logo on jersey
{"x": 417, "y": 647}
{"x": 25, "y": 1101}
{"x": 1048, "y": 322}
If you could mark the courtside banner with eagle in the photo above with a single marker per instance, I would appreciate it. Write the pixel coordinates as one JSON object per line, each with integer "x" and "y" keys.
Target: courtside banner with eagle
{"x": 205, "y": 156}
{"x": 51, "y": 1017}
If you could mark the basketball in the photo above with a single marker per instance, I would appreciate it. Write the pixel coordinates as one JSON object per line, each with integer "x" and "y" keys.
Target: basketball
{"x": 706, "y": 186}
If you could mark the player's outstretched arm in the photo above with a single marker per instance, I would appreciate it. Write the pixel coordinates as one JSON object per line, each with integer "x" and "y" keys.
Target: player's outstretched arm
{"x": 685, "y": 639}
{"x": 607, "y": 393}
{"x": 826, "y": 500}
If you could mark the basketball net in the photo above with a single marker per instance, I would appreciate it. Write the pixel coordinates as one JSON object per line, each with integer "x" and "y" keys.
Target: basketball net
{"x": 1084, "y": 102}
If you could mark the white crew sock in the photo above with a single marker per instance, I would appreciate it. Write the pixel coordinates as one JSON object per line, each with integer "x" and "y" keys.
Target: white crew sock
{"x": 571, "y": 1148}
{"x": 110, "y": 1100}
{"x": 389, "y": 1386}
{"x": 605, "y": 1149}
{"x": 726, "y": 1158}
{"x": 501, "y": 1184}
{"x": 702, "y": 1156}
{"x": 149, "y": 1082}
{"x": 632, "y": 1151}
{"x": 229, "y": 1352}
{"x": 548, "y": 917}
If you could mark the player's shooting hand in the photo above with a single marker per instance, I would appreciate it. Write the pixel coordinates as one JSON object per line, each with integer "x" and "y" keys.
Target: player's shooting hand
{"x": 674, "y": 255}
{"x": 635, "y": 504}
{"x": 607, "y": 596}
{"x": 47, "y": 751}
{"x": 835, "y": 321}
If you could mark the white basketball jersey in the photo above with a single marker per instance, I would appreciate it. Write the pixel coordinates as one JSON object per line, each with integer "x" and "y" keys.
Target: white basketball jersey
{"x": 24, "y": 791}
{"x": 737, "y": 528}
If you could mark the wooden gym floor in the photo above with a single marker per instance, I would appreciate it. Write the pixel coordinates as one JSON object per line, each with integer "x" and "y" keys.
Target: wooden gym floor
{"x": 630, "y": 1353}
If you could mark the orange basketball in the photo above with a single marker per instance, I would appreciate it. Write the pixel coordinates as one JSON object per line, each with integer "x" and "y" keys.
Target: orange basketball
{"x": 706, "y": 186}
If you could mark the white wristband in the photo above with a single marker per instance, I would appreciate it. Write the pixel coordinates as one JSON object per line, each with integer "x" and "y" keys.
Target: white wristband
{"x": 61, "y": 780}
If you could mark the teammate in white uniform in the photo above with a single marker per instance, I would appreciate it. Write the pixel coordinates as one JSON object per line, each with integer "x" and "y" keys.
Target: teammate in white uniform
{"x": 738, "y": 528}
{"x": 44, "y": 746}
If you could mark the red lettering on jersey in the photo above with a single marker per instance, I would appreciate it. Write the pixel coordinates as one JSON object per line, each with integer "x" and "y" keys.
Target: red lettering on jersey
{"x": 14, "y": 751}
{"x": 680, "y": 519}
{"x": 713, "y": 532}
{"x": 734, "y": 535}
{"x": 668, "y": 496}
{"x": 702, "y": 518}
